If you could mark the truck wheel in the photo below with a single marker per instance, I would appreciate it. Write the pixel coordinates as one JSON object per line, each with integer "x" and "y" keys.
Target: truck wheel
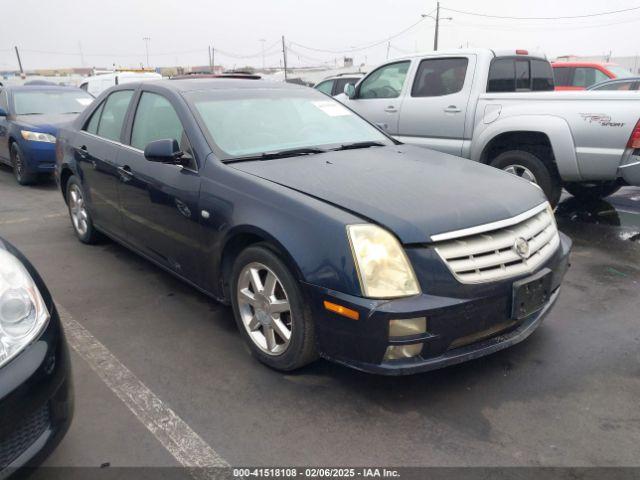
{"x": 592, "y": 190}
{"x": 526, "y": 165}
{"x": 270, "y": 311}
{"x": 19, "y": 168}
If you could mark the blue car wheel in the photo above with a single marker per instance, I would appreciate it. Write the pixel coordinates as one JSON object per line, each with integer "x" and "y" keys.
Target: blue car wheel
{"x": 23, "y": 177}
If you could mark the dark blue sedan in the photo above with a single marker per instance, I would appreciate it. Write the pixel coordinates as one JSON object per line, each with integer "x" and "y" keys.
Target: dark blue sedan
{"x": 29, "y": 120}
{"x": 325, "y": 235}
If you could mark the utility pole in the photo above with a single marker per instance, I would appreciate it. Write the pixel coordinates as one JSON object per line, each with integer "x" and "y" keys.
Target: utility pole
{"x": 210, "y": 62}
{"x": 213, "y": 58}
{"x": 146, "y": 42}
{"x": 263, "y": 64}
{"x": 388, "y": 47}
{"x": 81, "y": 54}
{"x": 19, "y": 61}
{"x": 284, "y": 58}
{"x": 435, "y": 38}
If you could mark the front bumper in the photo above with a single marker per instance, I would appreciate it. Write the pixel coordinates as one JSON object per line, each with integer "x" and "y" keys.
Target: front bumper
{"x": 463, "y": 323}
{"x": 36, "y": 400}
{"x": 39, "y": 157}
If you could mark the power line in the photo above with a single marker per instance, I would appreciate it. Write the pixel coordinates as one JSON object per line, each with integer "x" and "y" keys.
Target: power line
{"x": 611, "y": 12}
{"x": 365, "y": 47}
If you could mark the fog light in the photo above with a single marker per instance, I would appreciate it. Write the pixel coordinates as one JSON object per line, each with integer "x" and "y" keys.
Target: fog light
{"x": 397, "y": 352}
{"x": 407, "y": 326}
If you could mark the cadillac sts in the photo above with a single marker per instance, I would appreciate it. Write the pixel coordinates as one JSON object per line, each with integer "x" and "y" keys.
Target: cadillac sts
{"x": 327, "y": 237}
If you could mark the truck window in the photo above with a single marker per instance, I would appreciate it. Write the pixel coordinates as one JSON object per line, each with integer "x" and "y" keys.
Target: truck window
{"x": 542, "y": 75}
{"x": 562, "y": 76}
{"x": 385, "y": 82}
{"x": 502, "y": 75}
{"x": 586, "y": 76}
{"x": 523, "y": 75}
{"x": 439, "y": 76}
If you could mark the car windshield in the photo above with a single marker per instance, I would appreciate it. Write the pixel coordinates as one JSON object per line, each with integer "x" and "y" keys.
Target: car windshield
{"x": 50, "y": 102}
{"x": 245, "y": 123}
{"x": 619, "y": 72}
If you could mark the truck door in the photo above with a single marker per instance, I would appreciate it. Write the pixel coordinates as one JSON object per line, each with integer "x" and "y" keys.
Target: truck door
{"x": 378, "y": 97}
{"x": 434, "y": 111}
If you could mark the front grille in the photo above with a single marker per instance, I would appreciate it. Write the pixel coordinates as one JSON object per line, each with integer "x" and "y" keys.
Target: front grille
{"x": 24, "y": 435}
{"x": 492, "y": 255}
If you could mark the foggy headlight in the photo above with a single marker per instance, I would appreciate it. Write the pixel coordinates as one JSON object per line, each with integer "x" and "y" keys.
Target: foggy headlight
{"x": 23, "y": 313}
{"x": 383, "y": 267}
{"x": 37, "y": 136}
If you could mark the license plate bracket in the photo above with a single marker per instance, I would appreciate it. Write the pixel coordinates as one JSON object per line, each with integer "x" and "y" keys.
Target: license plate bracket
{"x": 530, "y": 294}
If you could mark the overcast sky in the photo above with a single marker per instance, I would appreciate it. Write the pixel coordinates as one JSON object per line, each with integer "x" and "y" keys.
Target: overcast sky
{"x": 53, "y": 33}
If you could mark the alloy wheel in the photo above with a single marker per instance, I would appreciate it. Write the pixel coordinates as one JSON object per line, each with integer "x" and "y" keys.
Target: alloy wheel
{"x": 522, "y": 172}
{"x": 264, "y": 308}
{"x": 18, "y": 166}
{"x": 79, "y": 215}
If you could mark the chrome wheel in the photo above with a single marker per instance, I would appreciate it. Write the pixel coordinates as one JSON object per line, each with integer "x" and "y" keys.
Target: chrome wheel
{"x": 77, "y": 209}
{"x": 18, "y": 166}
{"x": 521, "y": 171}
{"x": 264, "y": 308}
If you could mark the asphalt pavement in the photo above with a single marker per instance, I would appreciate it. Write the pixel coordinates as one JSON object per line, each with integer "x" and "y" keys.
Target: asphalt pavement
{"x": 567, "y": 396}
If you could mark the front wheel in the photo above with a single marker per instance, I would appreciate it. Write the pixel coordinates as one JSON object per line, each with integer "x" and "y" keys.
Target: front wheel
{"x": 593, "y": 190}
{"x": 270, "y": 312}
{"x": 528, "y": 166}
{"x": 20, "y": 172}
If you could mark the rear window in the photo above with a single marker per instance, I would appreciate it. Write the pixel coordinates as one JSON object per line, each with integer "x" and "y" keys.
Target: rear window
{"x": 511, "y": 74}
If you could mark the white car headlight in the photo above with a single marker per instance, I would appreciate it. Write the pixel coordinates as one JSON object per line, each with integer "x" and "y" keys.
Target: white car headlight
{"x": 37, "y": 136}
{"x": 383, "y": 267}
{"x": 23, "y": 313}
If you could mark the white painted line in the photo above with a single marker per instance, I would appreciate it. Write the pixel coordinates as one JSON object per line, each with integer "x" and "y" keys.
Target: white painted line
{"x": 186, "y": 446}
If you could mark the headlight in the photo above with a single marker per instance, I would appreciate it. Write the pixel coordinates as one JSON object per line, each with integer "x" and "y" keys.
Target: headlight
{"x": 37, "y": 136}
{"x": 383, "y": 267}
{"x": 23, "y": 313}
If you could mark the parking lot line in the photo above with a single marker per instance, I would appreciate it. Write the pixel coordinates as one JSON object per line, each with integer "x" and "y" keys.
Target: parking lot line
{"x": 186, "y": 446}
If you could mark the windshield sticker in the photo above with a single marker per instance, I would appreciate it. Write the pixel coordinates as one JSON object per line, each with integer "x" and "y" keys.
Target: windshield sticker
{"x": 333, "y": 109}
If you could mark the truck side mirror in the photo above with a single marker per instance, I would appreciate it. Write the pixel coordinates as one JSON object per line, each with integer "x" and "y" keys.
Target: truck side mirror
{"x": 350, "y": 90}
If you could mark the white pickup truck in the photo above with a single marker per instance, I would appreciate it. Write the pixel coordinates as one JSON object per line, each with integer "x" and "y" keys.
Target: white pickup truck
{"x": 499, "y": 108}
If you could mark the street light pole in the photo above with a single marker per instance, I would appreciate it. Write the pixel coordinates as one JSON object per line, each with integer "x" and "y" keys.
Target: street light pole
{"x": 435, "y": 37}
{"x": 146, "y": 42}
{"x": 262, "y": 40}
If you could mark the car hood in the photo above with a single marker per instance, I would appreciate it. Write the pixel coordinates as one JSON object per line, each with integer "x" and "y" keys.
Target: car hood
{"x": 412, "y": 191}
{"x": 45, "y": 123}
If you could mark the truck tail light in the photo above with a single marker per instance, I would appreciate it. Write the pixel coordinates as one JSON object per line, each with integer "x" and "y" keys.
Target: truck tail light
{"x": 634, "y": 139}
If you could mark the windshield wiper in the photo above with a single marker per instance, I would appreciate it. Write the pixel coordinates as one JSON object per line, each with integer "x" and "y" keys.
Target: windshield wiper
{"x": 354, "y": 145}
{"x": 293, "y": 152}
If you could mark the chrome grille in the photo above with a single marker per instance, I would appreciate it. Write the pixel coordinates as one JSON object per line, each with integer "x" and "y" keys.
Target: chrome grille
{"x": 492, "y": 254}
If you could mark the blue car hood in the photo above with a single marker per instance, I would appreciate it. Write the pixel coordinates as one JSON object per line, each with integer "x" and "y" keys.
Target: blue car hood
{"x": 45, "y": 123}
{"x": 412, "y": 191}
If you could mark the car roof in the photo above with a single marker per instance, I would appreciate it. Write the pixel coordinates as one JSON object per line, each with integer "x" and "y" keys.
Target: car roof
{"x": 199, "y": 84}
{"x": 583, "y": 64}
{"x": 614, "y": 80}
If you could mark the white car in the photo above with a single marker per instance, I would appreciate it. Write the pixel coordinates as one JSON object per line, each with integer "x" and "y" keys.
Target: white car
{"x": 97, "y": 84}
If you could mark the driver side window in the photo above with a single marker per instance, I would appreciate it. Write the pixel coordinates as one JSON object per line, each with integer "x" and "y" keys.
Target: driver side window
{"x": 386, "y": 82}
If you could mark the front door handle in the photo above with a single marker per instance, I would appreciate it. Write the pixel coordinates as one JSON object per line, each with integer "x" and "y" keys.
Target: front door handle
{"x": 82, "y": 151}
{"x": 125, "y": 173}
{"x": 452, "y": 109}
{"x": 391, "y": 109}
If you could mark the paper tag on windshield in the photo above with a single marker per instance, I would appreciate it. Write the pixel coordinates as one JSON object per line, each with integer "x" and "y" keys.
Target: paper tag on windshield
{"x": 333, "y": 109}
{"x": 85, "y": 101}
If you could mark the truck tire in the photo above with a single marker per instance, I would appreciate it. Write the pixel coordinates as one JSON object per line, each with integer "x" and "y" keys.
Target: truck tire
{"x": 526, "y": 165}
{"x": 592, "y": 190}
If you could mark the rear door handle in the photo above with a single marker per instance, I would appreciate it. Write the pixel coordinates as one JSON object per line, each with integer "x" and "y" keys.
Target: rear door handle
{"x": 125, "y": 173}
{"x": 452, "y": 109}
{"x": 391, "y": 109}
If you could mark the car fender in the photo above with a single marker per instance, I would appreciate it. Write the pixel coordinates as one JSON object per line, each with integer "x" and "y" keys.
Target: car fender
{"x": 555, "y": 128}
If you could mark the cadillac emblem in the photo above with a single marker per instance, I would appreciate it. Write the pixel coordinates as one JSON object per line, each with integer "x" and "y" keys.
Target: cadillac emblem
{"x": 521, "y": 247}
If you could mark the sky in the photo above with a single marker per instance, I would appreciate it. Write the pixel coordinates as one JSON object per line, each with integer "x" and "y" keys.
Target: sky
{"x": 104, "y": 33}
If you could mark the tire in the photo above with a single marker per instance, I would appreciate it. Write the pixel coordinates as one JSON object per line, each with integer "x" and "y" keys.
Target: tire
{"x": 525, "y": 164}
{"x": 256, "y": 315}
{"x": 592, "y": 191}
{"x": 17, "y": 162}
{"x": 80, "y": 217}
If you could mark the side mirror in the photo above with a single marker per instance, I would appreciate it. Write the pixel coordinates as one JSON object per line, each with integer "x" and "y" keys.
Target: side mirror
{"x": 3, "y": 112}
{"x": 350, "y": 90}
{"x": 163, "y": 151}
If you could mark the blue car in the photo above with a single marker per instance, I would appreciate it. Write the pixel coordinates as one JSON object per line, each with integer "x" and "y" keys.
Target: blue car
{"x": 29, "y": 120}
